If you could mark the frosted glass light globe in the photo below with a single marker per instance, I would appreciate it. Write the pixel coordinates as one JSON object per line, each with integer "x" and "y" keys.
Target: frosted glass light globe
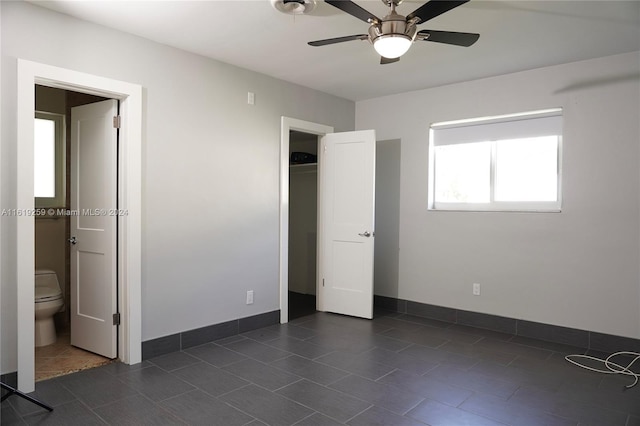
{"x": 392, "y": 46}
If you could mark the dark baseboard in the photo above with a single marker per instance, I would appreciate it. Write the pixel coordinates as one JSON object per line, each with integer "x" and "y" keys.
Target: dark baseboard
{"x": 551, "y": 333}
{"x": 187, "y": 339}
{"x": 10, "y": 379}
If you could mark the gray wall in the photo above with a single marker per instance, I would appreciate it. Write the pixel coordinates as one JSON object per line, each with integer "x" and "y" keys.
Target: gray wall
{"x": 210, "y": 167}
{"x": 577, "y": 268}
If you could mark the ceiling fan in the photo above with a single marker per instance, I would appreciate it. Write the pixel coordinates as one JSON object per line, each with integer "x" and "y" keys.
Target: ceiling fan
{"x": 392, "y": 35}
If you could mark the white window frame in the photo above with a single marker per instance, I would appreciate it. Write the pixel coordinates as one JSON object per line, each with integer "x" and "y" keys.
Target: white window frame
{"x": 510, "y": 126}
{"x": 60, "y": 163}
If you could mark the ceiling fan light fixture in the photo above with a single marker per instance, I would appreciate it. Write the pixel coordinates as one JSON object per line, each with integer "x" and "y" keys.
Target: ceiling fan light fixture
{"x": 393, "y": 36}
{"x": 294, "y": 7}
{"x": 392, "y": 45}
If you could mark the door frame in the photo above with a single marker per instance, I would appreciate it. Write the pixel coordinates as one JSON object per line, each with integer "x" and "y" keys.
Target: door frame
{"x": 286, "y": 125}
{"x": 129, "y": 195}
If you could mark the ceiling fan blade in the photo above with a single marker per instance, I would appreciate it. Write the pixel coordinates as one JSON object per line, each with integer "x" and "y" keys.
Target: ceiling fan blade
{"x": 434, "y": 8}
{"x": 338, "y": 40}
{"x": 353, "y": 9}
{"x": 449, "y": 37}
{"x": 384, "y": 60}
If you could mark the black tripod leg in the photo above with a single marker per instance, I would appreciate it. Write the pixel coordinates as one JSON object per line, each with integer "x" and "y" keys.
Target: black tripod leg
{"x": 12, "y": 391}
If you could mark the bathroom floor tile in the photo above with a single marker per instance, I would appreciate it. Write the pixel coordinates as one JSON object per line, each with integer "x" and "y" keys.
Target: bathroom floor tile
{"x": 61, "y": 358}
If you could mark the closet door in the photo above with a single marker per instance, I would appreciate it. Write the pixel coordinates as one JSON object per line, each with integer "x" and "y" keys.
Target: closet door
{"x": 347, "y": 204}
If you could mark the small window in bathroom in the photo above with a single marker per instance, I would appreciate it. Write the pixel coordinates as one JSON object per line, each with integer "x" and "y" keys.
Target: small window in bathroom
{"x": 48, "y": 161}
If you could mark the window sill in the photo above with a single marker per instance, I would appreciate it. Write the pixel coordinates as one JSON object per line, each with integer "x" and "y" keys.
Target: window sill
{"x": 504, "y": 208}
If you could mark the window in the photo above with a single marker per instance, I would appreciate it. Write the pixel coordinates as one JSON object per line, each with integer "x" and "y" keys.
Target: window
{"x": 48, "y": 161}
{"x": 505, "y": 163}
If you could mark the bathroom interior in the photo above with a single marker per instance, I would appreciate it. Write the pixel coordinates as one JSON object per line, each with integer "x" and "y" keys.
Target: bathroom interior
{"x": 54, "y": 355}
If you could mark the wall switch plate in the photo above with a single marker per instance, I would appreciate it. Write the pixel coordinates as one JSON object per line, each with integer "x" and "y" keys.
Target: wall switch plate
{"x": 251, "y": 98}
{"x": 476, "y": 289}
{"x": 250, "y": 297}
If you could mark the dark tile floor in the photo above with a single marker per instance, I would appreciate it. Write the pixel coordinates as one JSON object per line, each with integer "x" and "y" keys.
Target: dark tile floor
{"x": 327, "y": 369}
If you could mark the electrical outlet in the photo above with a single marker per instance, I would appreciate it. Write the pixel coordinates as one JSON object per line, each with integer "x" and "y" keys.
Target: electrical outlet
{"x": 250, "y": 297}
{"x": 476, "y": 289}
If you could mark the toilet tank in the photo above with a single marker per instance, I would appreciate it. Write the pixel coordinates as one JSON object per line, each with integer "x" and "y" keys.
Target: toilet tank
{"x": 47, "y": 278}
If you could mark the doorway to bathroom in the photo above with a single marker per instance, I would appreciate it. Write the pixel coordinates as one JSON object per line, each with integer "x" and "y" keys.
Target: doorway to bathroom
{"x": 129, "y": 238}
{"x": 57, "y": 189}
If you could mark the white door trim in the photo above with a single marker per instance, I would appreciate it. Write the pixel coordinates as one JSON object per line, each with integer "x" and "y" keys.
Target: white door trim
{"x": 129, "y": 233}
{"x": 286, "y": 125}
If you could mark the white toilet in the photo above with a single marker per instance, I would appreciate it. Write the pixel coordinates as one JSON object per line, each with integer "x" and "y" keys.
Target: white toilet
{"x": 49, "y": 301}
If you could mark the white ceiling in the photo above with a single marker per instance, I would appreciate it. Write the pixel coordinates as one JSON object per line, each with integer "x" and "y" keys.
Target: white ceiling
{"x": 514, "y": 36}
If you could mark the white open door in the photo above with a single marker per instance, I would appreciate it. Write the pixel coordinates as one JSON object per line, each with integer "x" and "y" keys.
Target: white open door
{"x": 93, "y": 227}
{"x": 347, "y": 203}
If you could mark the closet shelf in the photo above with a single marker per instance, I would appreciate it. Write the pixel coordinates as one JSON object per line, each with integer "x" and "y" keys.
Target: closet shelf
{"x": 306, "y": 167}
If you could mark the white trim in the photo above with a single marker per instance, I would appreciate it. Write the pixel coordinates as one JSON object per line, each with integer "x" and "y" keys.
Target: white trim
{"x": 525, "y": 207}
{"x": 129, "y": 250}
{"x": 286, "y": 125}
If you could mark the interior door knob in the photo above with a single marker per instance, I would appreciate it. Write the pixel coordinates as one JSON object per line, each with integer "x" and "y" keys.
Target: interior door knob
{"x": 73, "y": 240}
{"x": 365, "y": 234}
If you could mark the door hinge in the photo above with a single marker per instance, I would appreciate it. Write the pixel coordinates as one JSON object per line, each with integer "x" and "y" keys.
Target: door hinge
{"x": 323, "y": 282}
{"x": 116, "y": 121}
{"x": 116, "y": 318}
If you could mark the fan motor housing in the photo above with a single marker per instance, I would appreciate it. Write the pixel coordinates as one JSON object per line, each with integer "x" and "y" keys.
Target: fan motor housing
{"x": 393, "y": 25}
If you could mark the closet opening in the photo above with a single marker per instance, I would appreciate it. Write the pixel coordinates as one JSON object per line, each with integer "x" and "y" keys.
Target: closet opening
{"x": 303, "y": 223}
